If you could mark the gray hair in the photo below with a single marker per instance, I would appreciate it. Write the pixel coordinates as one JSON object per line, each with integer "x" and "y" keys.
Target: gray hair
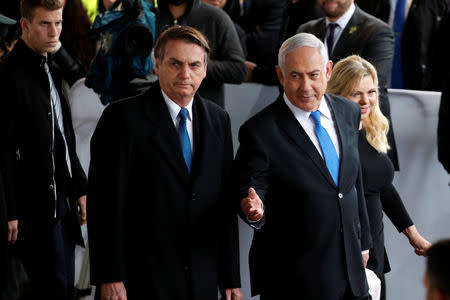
{"x": 301, "y": 40}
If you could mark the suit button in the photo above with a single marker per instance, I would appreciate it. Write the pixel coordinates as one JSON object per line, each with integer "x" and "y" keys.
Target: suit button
{"x": 341, "y": 229}
{"x": 340, "y": 196}
{"x": 50, "y": 150}
{"x": 50, "y": 187}
{"x": 194, "y": 196}
{"x": 49, "y": 114}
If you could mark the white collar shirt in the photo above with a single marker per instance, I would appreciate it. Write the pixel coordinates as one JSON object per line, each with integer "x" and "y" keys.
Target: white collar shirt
{"x": 326, "y": 119}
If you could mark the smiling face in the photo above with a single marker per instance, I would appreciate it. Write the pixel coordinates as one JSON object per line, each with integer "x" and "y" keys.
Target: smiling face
{"x": 41, "y": 33}
{"x": 365, "y": 96}
{"x": 304, "y": 78}
{"x": 181, "y": 70}
{"x": 334, "y": 9}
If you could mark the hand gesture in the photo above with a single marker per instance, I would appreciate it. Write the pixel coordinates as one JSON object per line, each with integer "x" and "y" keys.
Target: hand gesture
{"x": 252, "y": 206}
{"x": 113, "y": 291}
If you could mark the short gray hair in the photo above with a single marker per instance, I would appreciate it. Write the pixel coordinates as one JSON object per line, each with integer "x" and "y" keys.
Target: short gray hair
{"x": 301, "y": 40}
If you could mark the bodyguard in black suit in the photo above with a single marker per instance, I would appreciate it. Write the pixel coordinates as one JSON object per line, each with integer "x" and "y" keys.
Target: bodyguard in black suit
{"x": 365, "y": 35}
{"x": 163, "y": 223}
{"x": 310, "y": 217}
{"x": 43, "y": 179}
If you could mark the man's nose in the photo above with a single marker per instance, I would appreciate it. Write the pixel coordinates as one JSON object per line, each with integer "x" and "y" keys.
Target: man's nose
{"x": 184, "y": 71}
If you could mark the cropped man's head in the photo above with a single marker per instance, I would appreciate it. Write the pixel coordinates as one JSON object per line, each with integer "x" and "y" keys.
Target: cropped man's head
{"x": 437, "y": 274}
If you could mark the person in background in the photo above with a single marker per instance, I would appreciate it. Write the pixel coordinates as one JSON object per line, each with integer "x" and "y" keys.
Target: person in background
{"x": 160, "y": 184}
{"x": 227, "y": 63}
{"x": 300, "y": 185}
{"x": 356, "y": 79}
{"x": 45, "y": 184}
{"x": 75, "y": 36}
{"x": 227, "y": 6}
{"x": 380, "y": 9}
{"x": 437, "y": 273}
{"x": 295, "y": 13}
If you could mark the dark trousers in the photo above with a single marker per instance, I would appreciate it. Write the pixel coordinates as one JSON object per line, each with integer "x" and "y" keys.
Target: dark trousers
{"x": 51, "y": 268}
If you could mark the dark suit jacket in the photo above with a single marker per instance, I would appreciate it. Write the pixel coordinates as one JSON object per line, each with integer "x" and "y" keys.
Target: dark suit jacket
{"x": 310, "y": 244}
{"x": 443, "y": 130}
{"x": 423, "y": 50}
{"x": 164, "y": 233}
{"x": 371, "y": 39}
{"x": 27, "y": 158}
{"x": 380, "y": 9}
{"x": 3, "y": 238}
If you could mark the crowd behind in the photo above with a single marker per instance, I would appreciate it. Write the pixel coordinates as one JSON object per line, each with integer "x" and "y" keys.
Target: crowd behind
{"x": 120, "y": 49}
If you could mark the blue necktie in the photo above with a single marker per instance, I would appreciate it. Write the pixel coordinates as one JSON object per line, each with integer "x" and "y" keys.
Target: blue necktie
{"x": 399, "y": 23}
{"x": 329, "y": 152}
{"x": 184, "y": 138}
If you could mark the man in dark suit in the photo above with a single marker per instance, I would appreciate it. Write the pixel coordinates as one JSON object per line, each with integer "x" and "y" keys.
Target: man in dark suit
{"x": 162, "y": 220}
{"x": 301, "y": 191}
{"x": 356, "y": 32}
{"x": 43, "y": 179}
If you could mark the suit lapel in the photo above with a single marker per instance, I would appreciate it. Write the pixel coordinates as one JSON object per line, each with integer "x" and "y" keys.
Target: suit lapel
{"x": 205, "y": 139}
{"x": 321, "y": 30}
{"x": 347, "y": 37}
{"x": 162, "y": 132}
{"x": 290, "y": 125}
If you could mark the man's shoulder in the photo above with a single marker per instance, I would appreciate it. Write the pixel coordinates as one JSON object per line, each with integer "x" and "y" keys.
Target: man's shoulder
{"x": 311, "y": 26}
{"x": 346, "y": 105}
{"x": 370, "y": 22}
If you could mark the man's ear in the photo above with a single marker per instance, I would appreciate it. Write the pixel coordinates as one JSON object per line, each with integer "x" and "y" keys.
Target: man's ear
{"x": 156, "y": 68}
{"x": 328, "y": 69}
{"x": 24, "y": 24}
{"x": 280, "y": 74}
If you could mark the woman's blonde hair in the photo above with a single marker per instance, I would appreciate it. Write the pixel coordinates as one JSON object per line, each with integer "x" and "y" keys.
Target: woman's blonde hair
{"x": 345, "y": 79}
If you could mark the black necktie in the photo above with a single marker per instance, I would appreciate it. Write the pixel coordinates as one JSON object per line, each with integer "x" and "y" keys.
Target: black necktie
{"x": 330, "y": 39}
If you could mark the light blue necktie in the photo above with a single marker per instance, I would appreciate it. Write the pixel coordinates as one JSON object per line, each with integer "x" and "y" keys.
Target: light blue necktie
{"x": 184, "y": 138}
{"x": 329, "y": 152}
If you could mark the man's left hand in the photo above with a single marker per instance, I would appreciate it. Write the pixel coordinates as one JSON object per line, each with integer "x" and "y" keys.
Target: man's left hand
{"x": 233, "y": 294}
{"x": 82, "y": 213}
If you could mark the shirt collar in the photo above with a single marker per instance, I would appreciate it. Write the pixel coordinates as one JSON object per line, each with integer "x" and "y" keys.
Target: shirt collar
{"x": 300, "y": 113}
{"x": 342, "y": 21}
{"x": 174, "y": 109}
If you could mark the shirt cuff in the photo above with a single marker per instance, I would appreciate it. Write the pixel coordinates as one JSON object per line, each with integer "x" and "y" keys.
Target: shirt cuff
{"x": 365, "y": 252}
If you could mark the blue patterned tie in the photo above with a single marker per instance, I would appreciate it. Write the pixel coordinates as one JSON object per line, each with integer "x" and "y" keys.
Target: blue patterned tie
{"x": 329, "y": 152}
{"x": 184, "y": 138}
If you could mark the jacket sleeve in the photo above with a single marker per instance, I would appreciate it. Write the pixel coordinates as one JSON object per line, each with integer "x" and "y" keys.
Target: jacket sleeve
{"x": 229, "y": 273}
{"x": 380, "y": 52}
{"x": 443, "y": 131}
{"x": 105, "y": 205}
{"x": 10, "y": 153}
{"x": 251, "y": 169}
{"x": 227, "y": 65}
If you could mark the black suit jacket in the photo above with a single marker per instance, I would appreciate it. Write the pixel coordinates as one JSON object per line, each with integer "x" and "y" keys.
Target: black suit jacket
{"x": 310, "y": 244}
{"x": 27, "y": 156}
{"x": 163, "y": 232}
{"x": 373, "y": 40}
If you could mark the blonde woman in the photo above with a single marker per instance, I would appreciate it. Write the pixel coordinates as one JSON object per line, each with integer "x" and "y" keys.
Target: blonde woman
{"x": 356, "y": 79}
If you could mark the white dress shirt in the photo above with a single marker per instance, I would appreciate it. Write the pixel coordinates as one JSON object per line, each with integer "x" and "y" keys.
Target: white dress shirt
{"x": 341, "y": 22}
{"x": 326, "y": 119}
{"x": 174, "y": 110}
